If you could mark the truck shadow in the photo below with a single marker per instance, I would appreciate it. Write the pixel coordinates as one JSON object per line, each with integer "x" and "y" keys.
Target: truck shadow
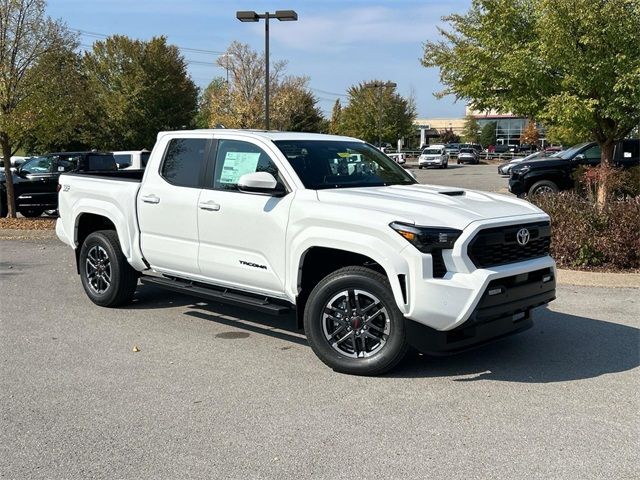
{"x": 560, "y": 347}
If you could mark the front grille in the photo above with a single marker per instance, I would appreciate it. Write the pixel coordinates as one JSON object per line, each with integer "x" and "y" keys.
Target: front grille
{"x": 498, "y": 246}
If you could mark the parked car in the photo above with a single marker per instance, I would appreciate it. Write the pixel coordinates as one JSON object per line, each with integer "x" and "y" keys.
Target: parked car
{"x": 434, "y": 156}
{"x": 400, "y": 158}
{"x": 371, "y": 261}
{"x": 468, "y": 155}
{"x": 132, "y": 159}
{"x": 475, "y": 146}
{"x": 35, "y": 182}
{"x": 452, "y": 149}
{"x": 525, "y": 148}
{"x": 553, "y": 174}
{"x": 503, "y": 148}
{"x": 505, "y": 168}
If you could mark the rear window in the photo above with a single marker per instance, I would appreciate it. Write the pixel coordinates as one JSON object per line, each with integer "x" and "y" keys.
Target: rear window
{"x": 101, "y": 162}
{"x": 123, "y": 160}
{"x": 183, "y": 161}
{"x": 467, "y": 150}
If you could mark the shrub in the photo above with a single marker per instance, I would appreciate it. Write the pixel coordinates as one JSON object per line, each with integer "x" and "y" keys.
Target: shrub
{"x": 585, "y": 236}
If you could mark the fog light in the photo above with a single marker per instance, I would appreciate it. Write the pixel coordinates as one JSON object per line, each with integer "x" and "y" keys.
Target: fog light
{"x": 495, "y": 291}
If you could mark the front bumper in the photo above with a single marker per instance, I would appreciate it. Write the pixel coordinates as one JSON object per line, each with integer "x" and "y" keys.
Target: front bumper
{"x": 516, "y": 186}
{"x": 504, "y": 309}
{"x": 430, "y": 161}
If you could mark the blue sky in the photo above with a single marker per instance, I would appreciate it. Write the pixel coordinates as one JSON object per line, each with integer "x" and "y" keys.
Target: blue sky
{"x": 335, "y": 43}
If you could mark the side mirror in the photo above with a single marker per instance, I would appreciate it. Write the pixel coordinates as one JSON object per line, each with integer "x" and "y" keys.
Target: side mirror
{"x": 580, "y": 158}
{"x": 260, "y": 182}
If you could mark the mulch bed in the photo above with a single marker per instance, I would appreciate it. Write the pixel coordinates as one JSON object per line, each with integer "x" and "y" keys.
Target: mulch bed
{"x": 40, "y": 223}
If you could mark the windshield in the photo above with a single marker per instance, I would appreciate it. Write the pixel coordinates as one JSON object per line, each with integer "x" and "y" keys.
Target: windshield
{"x": 37, "y": 165}
{"x": 569, "y": 153}
{"x": 467, "y": 150}
{"x": 341, "y": 164}
{"x": 431, "y": 151}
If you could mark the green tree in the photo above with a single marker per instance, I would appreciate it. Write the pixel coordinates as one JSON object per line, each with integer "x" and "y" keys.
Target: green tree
{"x": 488, "y": 134}
{"x": 141, "y": 87}
{"x": 336, "y": 118}
{"x": 206, "y": 101}
{"x": 27, "y": 35}
{"x": 376, "y": 110}
{"x": 471, "y": 130}
{"x": 572, "y": 63}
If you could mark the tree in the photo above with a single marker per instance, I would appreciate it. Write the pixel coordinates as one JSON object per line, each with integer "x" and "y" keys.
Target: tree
{"x": 141, "y": 88}
{"x": 240, "y": 104}
{"x": 448, "y": 136}
{"x": 375, "y": 111}
{"x": 471, "y": 130}
{"x": 336, "y": 118}
{"x": 488, "y": 134}
{"x": 530, "y": 134}
{"x": 26, "y": 36}
{"x": 569, "y": 63}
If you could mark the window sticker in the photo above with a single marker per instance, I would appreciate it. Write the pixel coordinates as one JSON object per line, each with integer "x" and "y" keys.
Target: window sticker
{"x": 237, "y": 164}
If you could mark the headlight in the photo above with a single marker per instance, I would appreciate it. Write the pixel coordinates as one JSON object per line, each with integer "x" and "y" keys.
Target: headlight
{"x": 521, "y": 170}
{"x": 427, "y": 239}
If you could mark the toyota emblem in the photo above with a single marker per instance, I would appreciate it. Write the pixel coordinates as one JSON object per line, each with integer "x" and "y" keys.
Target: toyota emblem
{"x": 523, "y": 236}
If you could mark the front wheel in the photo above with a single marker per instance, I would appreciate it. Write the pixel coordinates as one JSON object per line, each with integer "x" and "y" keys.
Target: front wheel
{"x": 107, "y": 277}
{"x": 352, "y": 322}
{"x": 543, "y": 187}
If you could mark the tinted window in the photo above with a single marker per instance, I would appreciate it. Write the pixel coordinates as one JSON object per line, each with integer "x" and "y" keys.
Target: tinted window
{"x": 101, "y": 162}
{"x": 236, "y": 158}
{"x": 38, "y": 165}
{"x": 630, "y": 149}
{"x": 341, "y": 164}
{"x": 123, "y": 160}
{"x": 592, "y": 153}
{"x": 183, "y": 161}
{"x": 67, "y": 164}
{"x": 144, "y": 158}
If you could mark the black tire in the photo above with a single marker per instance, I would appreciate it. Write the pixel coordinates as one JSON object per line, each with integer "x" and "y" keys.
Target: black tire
{"x": 31, "y": 212}
{"x": 544, "y": 187}
{"x": 419, "y": 167}
{"x": 372, "y": 285}
{"x": 446, "y": 165}
{"x": 123, "y": 279}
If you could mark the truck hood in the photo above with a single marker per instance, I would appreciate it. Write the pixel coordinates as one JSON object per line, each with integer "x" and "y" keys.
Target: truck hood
{"x": 430, "y": 205}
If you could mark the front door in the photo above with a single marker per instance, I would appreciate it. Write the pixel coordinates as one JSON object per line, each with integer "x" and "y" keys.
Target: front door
{"x": 38, "y": 184}
{"x": 242, "y": 235}
{"x": 168, "y": 206}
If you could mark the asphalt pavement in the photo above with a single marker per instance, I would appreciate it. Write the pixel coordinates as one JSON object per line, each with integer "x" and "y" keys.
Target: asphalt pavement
{"x": 477, "y": 177}
{"x": 219, "y": 392}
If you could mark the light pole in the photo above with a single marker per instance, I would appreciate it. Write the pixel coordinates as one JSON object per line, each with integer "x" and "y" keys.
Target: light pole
{"x": 380, "y": 86}
{"x": 251, "y": 16}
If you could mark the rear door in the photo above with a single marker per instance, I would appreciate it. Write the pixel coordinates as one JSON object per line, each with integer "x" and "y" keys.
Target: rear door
{"x": 168, "y": 205}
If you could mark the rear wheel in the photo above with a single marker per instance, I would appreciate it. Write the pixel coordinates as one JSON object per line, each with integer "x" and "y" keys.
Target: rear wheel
{"x": 543, "y": 187}
{"x": 31, "y": 212}
{"x": 107, "y": 277}
{"x": 353, "y": 324}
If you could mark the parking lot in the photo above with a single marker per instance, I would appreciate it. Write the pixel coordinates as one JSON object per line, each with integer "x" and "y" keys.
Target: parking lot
{"x": 219, "y": 392}
{"x": 479, "y": 177}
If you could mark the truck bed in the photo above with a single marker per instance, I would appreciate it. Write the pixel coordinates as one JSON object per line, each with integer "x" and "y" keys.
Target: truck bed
{"x": 123, "y": 175}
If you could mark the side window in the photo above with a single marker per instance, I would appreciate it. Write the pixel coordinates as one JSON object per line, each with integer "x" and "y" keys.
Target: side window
{"x": 144, "y": 158}
{"x": 66, "y": 164}
{"x": 183, "y": 161}
{"x": 592, "y": 154}
{"x": 38, "y": 165}
{"x": 236, "y": 158}
{"x": 123, "y": 159}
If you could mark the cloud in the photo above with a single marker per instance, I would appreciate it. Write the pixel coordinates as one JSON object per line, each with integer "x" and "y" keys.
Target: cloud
{"x": 341, "y": 29}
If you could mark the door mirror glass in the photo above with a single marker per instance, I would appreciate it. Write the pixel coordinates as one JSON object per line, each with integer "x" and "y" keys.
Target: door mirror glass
{"x": 580, "y": 158}
{"x": 260, "y": 182}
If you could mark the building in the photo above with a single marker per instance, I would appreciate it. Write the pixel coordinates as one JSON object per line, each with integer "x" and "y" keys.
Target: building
{"x": 509, "y": 127}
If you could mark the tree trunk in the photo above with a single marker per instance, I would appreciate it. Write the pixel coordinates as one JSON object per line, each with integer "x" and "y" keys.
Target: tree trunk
{"x": 6, "y": 153}
{"x": 606, "y": 163}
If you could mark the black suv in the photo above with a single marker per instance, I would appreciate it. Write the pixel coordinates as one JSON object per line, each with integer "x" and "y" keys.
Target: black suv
{"x": 552, "y": 174}
{"x": 35, "y": 182}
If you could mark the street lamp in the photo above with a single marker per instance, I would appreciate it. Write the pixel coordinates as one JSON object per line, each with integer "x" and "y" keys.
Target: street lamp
{"x": 251, "y": 16}
{"x": 380, "y": 86}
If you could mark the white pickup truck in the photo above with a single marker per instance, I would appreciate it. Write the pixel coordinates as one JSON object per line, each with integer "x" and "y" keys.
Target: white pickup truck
{"x": 372, "y": 261}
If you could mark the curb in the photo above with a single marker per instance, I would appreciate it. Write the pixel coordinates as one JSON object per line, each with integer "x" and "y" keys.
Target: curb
{"x": 598, "y": 279}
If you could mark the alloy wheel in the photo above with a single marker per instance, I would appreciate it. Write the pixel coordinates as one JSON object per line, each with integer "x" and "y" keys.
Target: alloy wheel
{"x": 98, "y": 269}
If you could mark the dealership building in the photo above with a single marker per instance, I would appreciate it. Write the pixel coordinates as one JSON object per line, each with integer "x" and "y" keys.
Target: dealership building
{"x": 509, "y": 127}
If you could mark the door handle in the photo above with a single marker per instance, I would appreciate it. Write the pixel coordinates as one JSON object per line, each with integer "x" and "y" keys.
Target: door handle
{"x": 150, "y": 199}
{"x": 210, "y": 205}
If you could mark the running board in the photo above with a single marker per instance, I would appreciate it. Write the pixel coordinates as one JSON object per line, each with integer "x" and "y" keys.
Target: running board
{"x": 222, "y": 295}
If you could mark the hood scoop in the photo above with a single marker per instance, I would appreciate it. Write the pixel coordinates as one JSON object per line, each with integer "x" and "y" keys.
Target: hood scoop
{"x": 453, "y": 193}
